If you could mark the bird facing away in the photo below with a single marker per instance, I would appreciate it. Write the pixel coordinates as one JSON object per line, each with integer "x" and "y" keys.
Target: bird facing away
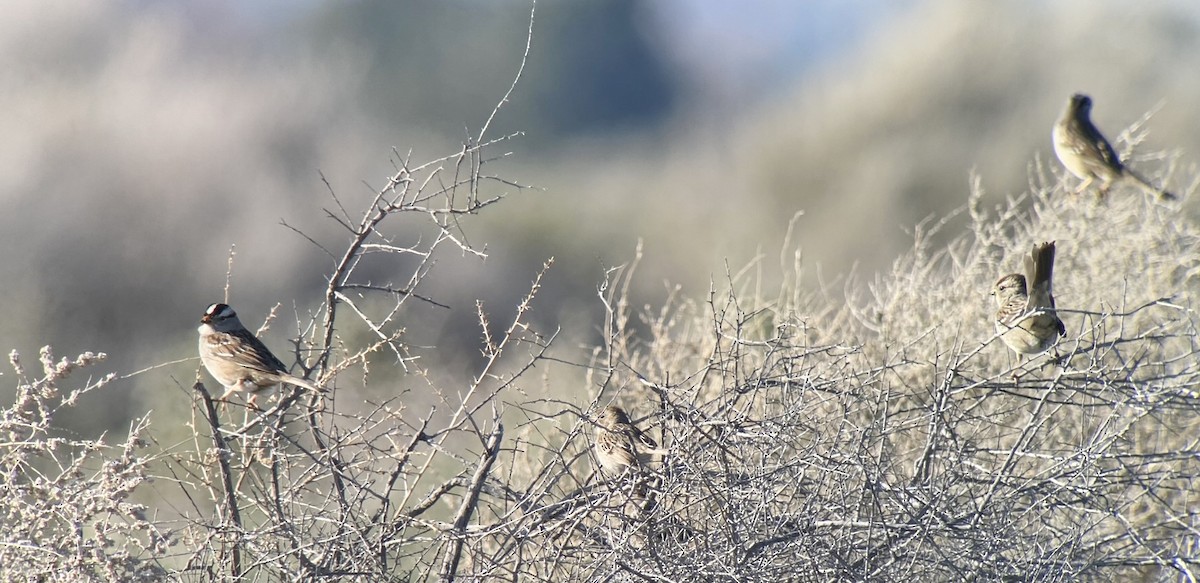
{"x": 1081, "y": 147}
{"x": 238, "y": 359}
{"x": 619, "y": 444}
{"x": 1025, "y": 316}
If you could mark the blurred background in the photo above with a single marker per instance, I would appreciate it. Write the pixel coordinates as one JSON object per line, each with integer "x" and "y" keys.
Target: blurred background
{"x": 142, "y": 139}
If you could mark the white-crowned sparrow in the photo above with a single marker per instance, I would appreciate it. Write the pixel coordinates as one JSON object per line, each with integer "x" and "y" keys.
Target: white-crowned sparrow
{"x": 1081, "y": 147}
{"x": 1021, "y": 331}
{"x": 238, "y": 359}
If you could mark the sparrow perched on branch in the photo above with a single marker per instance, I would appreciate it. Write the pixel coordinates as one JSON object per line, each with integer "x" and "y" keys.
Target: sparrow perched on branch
{"x": 1086, "y": 154}
{"x": 1025, "y": 318}
{"x": 622, "y": 448}
{"x": 619, "y": 444}
{"x": 238, "y": 359}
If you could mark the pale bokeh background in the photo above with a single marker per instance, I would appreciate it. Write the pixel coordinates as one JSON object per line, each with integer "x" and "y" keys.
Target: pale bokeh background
{"x": 142, "y": 139}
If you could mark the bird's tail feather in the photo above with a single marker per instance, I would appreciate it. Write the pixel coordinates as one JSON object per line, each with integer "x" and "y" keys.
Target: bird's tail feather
{"x": 1145, "y": 185}
{"x": 305, "y": 384}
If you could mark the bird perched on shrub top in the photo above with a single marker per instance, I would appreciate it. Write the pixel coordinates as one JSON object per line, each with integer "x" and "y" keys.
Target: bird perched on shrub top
{"x": 238, "y": 359}
{"x": 1025, "y": 318}
{"x": 1084, "y": 151}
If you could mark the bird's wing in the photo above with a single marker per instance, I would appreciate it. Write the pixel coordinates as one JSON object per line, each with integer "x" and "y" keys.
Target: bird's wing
{"x": 1095, "y": 145}
{"x": 617, "y": 446}
{"x": 1011, "y": 312}
{"x": 641, "y": 440}
{"x": 247, "y": 351}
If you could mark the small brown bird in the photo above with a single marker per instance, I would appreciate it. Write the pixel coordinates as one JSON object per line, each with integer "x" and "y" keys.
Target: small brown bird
{"x": 623, "y": 449}
{"x": 1081, "y": 147}
{"x": 619, "y": 444}
{"x": 238, "y": 359}
{"x": 1022, "y": 332}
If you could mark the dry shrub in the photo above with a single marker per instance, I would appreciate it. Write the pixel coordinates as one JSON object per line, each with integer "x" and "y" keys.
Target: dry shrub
{"x": 888, "y": 436}
{"x": 64, "y": 501}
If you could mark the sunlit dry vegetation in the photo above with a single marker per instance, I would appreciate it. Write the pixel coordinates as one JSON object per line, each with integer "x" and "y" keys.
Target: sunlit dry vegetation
{"x": 817, "y": 424}
{"x": 870, "y": 430}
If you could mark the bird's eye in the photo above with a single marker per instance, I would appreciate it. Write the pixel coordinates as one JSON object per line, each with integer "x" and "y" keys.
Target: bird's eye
{"x": 218, "y": 313}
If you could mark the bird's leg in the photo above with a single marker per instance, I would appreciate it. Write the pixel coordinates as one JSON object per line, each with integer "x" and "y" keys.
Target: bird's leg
{"x": 1086, "y": 182}
{"x": 1016, "y": 375}
{"x": 1058, "y": 358}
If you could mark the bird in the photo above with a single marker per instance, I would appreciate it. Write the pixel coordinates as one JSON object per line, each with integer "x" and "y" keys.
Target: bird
{"x": 1025, "y": 317}
{"x": 620, "y": 445}
{"x": 623, "y": 449}
{"x": 237, "y": 359}
{"x": 1081, "y": 147}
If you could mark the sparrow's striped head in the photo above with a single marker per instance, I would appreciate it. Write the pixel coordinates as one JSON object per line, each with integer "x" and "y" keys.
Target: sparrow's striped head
{"x": 217, "y": 313}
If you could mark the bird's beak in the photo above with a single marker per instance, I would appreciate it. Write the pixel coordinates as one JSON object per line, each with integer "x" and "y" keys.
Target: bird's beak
{"x": 206, "y": 319}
